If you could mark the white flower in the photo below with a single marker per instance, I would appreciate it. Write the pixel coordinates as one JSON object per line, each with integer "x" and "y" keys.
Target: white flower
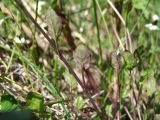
{"x": 151, "y": 26}
{"x": 21, "y": 40}
{"x": 155, "y": 17}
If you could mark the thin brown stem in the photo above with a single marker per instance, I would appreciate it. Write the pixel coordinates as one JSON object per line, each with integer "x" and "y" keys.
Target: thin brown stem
{"x": 92, "y": 81}
{"x": 129, "y": 115}
{"x": 118, "y": 38}
{"x": 132, "y": 102}
{"x": 139, "y": 113}
{"x": 118, "y": 88}
{"x": 89, "y": 94}
{"x": 124, "y": 24}
{"x": 83, "y": 79}
{"x": 132, "y": 97}
{"x": 119, "y": 7}
{"x": 66, "y": 28}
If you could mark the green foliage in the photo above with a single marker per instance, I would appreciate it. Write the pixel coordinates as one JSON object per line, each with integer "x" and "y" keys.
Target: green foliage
{"x": 27, "y": 67}
{"x": 8, "y": 103}
{"x": 139, "y": 53}
{"x": 143, "y": 77}
{"x": 139, "y": 4}
{"x": 19, "y": 115}
{"x": 108, "y": 110}
{"x": 35, "y": 101}
{"x": 10, "y": 107}
{"x": 79, "y": 102}
{"x": 129, "y": 60}
{"x": 70, "y": 79}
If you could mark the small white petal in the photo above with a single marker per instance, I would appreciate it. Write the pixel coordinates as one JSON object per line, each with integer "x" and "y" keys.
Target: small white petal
{"x": 154, "y": 27}
{"x": 151, "y": 26}
{"x": 155, "y": 17}
{"x": 23, "y": 40}
{"x": 148, "y": 25}
{"x": 19, "y": 41}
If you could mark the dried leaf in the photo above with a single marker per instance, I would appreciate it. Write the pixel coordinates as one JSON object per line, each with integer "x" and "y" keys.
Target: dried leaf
{"x": 53, "y": 22}
{"x": 82, "y": 57}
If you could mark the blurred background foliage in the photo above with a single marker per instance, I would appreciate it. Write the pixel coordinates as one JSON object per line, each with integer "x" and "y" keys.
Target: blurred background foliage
{"x": 33, "y": 77}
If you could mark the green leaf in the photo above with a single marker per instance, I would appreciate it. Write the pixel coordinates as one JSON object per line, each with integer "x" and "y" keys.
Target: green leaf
{"x": 70, "y": 79}
{"x": 108, "y": 110}
{"x": 79, "y": 102}
{"x": 139, "y": 52}
{"x": 149, "y": 82}
{"x": 35, "y": 102}
{"x": 130, "y": 61}
{"x": 96, "y": 118}
{"x": 128, "y": 6}
{"x": 18, "y": 115}
{"x": 150, "y": 86}
{"x": 54, "y": 4}
{"x": 8, "y": 103}
{"x": 139, "y": 4}
{"x": 143, "y": 77}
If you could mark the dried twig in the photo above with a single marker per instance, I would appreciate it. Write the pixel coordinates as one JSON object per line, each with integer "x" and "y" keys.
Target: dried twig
{"x": 139, "y": 113}
{"x": 124, "y": 23}
{"x": 66, "y": 28}
{"x": 132, "y": 97}
{"x": 129, "y": 115}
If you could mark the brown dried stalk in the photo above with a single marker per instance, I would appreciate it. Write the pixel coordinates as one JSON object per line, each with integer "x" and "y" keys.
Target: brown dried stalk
{"x": 124, "y": 24}
{"x": 132, "y": 97}
{"x": 119, "y": 7}
{"x": 66, "y": 28}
